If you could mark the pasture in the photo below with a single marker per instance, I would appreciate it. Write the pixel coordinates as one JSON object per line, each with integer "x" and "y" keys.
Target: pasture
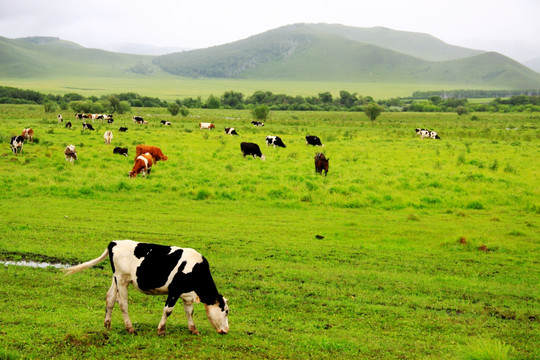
{"x": 430, "y": 249}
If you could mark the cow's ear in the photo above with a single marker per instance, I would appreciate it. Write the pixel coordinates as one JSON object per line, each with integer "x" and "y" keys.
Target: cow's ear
{"x": 225, "y": 299}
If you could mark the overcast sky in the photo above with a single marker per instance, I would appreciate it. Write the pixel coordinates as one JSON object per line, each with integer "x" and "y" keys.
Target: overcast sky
{"x": 508, "y": 27}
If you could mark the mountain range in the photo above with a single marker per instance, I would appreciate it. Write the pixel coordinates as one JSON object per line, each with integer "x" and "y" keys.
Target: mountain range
{"x": 298, "y": 52}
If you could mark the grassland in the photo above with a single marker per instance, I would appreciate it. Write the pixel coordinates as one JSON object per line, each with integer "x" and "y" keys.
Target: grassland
{"x": 430, "y": 248}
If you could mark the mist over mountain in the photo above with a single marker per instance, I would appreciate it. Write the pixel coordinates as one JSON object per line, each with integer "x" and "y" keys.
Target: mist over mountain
{"x": 298, "y": 52}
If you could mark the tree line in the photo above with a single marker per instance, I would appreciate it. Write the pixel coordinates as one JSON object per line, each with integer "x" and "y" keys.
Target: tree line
{"x": 324, "y": 101}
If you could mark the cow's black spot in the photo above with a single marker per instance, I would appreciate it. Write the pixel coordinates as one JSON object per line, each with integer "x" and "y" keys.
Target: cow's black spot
{"x": 110, "y": 247}
{"x": 158, "y": 263}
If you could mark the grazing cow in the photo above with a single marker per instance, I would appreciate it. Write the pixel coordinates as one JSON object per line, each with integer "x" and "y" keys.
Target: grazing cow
{"x": 86, "y": 116}
{"x": 321, "y": 163}
{"x": 97, "y": 117}
{"x": 28, "y": 134}
{"x": 109, "y": 118}
{"x": 86, "y": 126}
{"x": 143, "y": 164}
{"x": 251, "y": 149}
{"x": 60, "y": 118}
{"x": 68, "y": 125}
{"x": 108, "y": 136}
{"x": 17, "y": 144}
{"x": 257, "y": 123}
{"x": 164, "y": 122}
{"x": 313, "y": 140}
{"x": 138, "y": 119}
{"x": 78, "y": 116}
{"x": 182, "y": 273}
{"x": 123, "y": 129}
{"x": 121, "y": 151}
{"x": 110, "y": 121}
{"x": 70, "y": 153}
{"x": 230, "y": 131}
{"x": 206, "y": 126}
{"x": 274, "y": 140}
{"x": 156, "y": 152}
{"x": 427, "y": 133}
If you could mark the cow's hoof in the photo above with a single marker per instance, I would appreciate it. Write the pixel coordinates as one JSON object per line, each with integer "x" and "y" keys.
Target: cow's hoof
{"x": 107, "y": 325}
{"x": 195, "y": 331}
{"x": 130, "y": 330}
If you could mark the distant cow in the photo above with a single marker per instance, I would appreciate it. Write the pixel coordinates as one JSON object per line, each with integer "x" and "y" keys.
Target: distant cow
{"x": 97, "y": 117}
{"x": 206, "y": 126}
{"x": 68, "y": 125}
{"x": 182, "y": 273}
{"x": 123, "y": 129}
{"x": 138, "y": 119}
{"x": 60, "y": 118}
{"x": 274, "y": 140}
{"x": 230, "y": 131}
{"x": 427, "y": 133}
{"x": 28, "y": 134}
{"x": 78, "y": 116}
{"x": 17, "y": 144}
{"x": 143, "y": 165}
{"x": 109, "y": 118}
{"x": 156, "y": 152}
{"x": 251, "y": 149}
{"x": 86, "y": 126}
{"x": 121, "y": 151}
{"x": 257, "y": 123}
{"x": 70, "y": 153}
{"x": 321, "y": 163}
{"x": 108, "y": 136}
{"x": 164, "y": 122}
{"x": 110, "y": 121}
{"x": 313, "y": 140}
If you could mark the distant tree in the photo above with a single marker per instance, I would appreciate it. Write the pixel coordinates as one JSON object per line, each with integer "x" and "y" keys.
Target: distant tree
{"x": 173, "y": 108}
{"x": 435, "y": 99}
{"x": 347, "y": 99}
{"x": 372, "y": 111}
{"x": 124, "y": 107}
{"x": 114, "y": 100}
{"x": 50, "y": 106}
{"x": 213, "y": 102}
{"x": 184, "y": 111}
{"x": 260, "y": 112}
{"x": 462, "y": 110}
{"x": 325, "y": 97}
{"x": 232, "y": 98}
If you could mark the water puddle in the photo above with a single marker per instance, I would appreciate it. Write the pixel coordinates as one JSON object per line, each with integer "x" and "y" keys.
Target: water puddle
{"x": 34, "y": 264}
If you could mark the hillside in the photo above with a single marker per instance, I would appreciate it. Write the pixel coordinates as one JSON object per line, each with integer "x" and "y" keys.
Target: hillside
{"x": 48, "y": 56}
{"x": 323, "y": 52}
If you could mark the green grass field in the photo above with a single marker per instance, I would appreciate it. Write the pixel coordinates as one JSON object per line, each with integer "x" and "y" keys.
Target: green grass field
{"x": 430, "y": 249}
{"x": 169, "y": 87}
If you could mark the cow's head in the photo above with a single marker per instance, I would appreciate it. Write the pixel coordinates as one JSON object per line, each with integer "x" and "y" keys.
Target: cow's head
{"x": 218, "y": 315}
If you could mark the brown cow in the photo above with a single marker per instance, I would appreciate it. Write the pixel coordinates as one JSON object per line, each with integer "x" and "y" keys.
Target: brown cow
{"x": 28, "y": 134}
{"x": 143, "y": 163}
{"x": 153, "y": 150}
{"x": 321, "y": 163}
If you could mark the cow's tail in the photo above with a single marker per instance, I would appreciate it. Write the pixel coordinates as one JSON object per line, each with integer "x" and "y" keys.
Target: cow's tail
{"x": 87, "y": 264}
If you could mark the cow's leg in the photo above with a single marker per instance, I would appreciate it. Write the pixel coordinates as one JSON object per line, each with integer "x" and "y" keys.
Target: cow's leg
{"x": 167, "y": 311}
{"x": 188, "y": 308}
{"x": 109, "y": 303}
{"x": 122, "y": 284}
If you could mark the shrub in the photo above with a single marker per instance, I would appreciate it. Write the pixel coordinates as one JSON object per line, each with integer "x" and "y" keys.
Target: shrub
{"x": 173, "y": 108}
{"x": 260, "y": 112}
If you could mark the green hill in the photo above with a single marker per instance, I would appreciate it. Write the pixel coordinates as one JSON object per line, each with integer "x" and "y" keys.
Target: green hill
{"x": 47, "y": 56}
{"x": 323, "y": 52}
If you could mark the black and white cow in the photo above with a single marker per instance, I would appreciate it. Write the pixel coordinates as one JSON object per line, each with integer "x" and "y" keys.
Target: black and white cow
{"x": 121, "y": 151}
{"x": 427, "y": 133}
{"x": 86, "y": 126}
{"x": 230, "y": 131}
{"x": 313, "y": 140}
{"x": 165, "y": 122}
{"x": 60, "y": 118}
{"x": 257, "y": 123}
{"x": 17, "y": 144}
{"x": 138, "y": 119}
{"x": 274, "y": 140}
{"x": 251, "y": 149}
{"x": 78, "y": 116}
{"x": 109, "y": 118}
{"x": 123, "y": 129}
{"x": 182, "y": 273}
{"x": 68, "y": 125}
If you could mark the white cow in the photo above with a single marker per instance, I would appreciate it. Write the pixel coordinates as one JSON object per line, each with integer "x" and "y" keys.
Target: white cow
{"x": 205, "y": 125}
{"x": 108, "y": 136}
{"x": 70, "y": 153}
